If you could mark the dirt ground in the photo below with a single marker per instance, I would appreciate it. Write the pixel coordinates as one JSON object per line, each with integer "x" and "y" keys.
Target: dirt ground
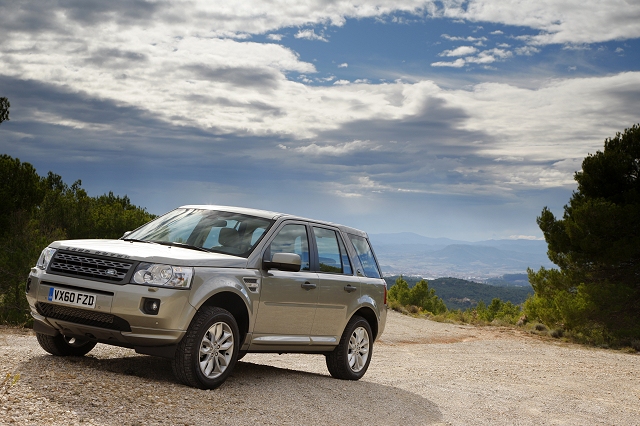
{"x": 422, "y": 372}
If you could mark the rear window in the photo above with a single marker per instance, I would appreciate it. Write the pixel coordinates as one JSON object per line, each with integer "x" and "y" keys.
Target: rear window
{"x": 332, "y": 256}
{"x": 366, "y": 256}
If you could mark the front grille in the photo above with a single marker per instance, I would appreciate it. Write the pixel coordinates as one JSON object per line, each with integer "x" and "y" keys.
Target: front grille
{"x": 96, "y": 268}
{"x": 82, "y": 316}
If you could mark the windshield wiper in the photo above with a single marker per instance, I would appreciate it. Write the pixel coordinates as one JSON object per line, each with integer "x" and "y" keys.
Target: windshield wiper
{"x": 187, "y": 246}
{"x": 139, "y": 241}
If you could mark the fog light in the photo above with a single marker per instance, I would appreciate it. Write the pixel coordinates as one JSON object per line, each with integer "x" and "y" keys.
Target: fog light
{"x": 150, "y": 306}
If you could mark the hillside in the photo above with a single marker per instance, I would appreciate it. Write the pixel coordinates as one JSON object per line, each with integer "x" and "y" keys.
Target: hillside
{"x": 462, "y": 294}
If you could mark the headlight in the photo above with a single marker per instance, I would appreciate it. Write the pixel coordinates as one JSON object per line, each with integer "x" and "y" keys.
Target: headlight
{"x": 162, "y": 275}
{"x": 45, "y": 258}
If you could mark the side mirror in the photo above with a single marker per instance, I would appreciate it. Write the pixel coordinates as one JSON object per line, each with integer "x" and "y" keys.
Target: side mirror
{"x": 285, "y": 262}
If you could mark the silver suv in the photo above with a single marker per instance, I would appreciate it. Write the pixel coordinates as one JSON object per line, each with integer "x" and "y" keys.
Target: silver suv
{"x": 204, "y": 285}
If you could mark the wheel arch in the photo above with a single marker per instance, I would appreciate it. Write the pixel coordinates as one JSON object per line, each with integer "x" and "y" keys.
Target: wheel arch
{"x": 236, "y": 307}
{"x": 370, "y": 316}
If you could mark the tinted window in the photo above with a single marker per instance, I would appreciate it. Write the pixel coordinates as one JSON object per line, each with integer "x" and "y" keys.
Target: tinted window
{"x": 346, "y": 263}
{"x": 331, "y": 252}
{"x": 292, "y": 239}
{"x": 365, "y": 255}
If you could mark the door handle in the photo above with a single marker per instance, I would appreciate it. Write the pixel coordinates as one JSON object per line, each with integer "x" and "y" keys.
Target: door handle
{"x": 349, "y": 288}
{"x": 308, "y": 286}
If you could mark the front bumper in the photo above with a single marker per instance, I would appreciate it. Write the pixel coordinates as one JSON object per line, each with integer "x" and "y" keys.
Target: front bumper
{"x": 118, "y": 317}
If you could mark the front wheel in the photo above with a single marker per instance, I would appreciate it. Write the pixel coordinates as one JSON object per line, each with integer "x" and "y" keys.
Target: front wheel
{"x": 61, "y": 345}
{"x": 208, "y": 352}
{"x": 351, "y": 358}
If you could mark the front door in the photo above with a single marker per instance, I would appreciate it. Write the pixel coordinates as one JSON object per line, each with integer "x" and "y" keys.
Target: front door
{"x": 287, "y": 299}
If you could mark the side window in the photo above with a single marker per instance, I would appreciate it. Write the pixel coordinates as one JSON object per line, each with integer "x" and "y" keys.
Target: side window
{"x": 365, "y": 255}
{"x": 292, "y": 239}
{"x": 330, "y": 252}
{"x": 346, "y": 263}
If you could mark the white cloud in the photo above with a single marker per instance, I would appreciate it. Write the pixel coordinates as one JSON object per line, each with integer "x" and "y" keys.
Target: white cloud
{"x": 563, "y": 119}
{"x": 484, "y": 58}
{"x": 559, "y": 22}
{"x": 509, "y": 158}
{"x": 460, "y": 51}
{"x": 526, "y": 50}
{"x": 230, "y": 34}
{"x": 361, "y": 186}
{"x": 525, "y": 237}
{"x": 344, "y": 194}
{"x": 337, "y": 150}
{"x": 341, "y": 82}
{"x": 469, "y": 38}
{"x": 275, "y": 37}
{"x": 458, "y": 63}
{"x": 310, "y": 35}
{"x": 343, "y": 65}
{"x": 497, "y": 32}
{"x": 575, "y": 46}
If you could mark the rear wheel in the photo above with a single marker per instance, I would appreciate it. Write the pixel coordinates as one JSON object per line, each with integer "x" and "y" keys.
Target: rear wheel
{"x": 351, "y": 358}
{"x": 62, "y": 345}
{"x": 208, "y": 352}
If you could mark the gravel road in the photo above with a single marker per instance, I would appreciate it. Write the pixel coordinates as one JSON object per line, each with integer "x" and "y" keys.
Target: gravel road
{"x": 422, "y": 372}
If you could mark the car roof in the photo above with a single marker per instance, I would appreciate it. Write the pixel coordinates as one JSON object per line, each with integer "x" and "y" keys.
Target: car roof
{"x": 266, "y": 214}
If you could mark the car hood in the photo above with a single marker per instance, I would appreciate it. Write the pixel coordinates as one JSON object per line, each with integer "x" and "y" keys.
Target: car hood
{"x": 149, "y": 252}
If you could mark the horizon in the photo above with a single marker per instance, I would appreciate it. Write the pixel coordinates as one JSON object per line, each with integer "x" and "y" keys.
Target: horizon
{"x": 510, "y": 238}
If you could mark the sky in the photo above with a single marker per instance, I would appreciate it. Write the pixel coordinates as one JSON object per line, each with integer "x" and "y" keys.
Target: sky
{"x": 458, "y": 119}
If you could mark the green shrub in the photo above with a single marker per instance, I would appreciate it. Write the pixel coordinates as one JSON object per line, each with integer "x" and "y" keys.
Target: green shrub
{"x": 420, "y": 296}
{"x": 506, "y": 312}
{"x": 557, "y": 333}
{"x": 540, "y": 327}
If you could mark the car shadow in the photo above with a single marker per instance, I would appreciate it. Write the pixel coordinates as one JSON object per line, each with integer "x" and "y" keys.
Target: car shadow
{"x": 262, "y": 394}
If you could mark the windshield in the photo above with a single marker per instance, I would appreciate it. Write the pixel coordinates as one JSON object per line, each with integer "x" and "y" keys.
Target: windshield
{"x": 211, "y": 230}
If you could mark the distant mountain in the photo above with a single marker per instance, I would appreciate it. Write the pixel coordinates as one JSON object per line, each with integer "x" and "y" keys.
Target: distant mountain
{"x": 525, "y": 246}
{"x": 510, "y": 280}
{"x": 409, "y": 253}
{"x": 410, "y": 238}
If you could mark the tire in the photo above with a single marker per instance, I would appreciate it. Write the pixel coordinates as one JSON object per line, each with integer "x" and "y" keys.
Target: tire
{"x": 351, "y": 358}
{"x": 241, "y": 355}
{"x": 208, "y": 352}
{"x": 62, "y": 345}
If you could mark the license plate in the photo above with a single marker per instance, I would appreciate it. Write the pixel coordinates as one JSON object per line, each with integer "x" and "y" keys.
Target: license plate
{"x": 71, "y": 297}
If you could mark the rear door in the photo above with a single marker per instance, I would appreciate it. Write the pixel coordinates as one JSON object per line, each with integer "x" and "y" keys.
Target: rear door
{"x": 338, "y": 290}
